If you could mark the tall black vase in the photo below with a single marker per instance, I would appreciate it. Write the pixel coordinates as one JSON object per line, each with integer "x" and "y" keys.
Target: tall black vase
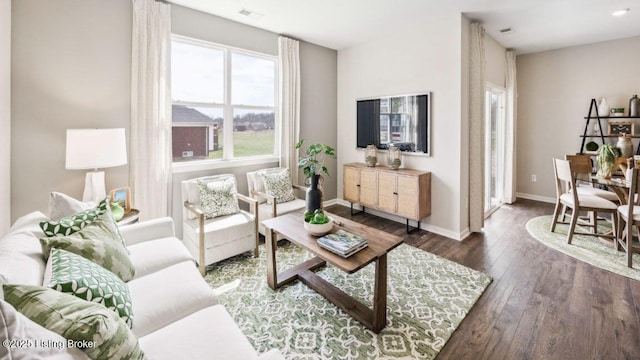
{"x": 314, "y": 194}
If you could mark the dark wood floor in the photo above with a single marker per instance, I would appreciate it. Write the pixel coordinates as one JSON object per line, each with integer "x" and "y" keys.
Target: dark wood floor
{"x": 541, "y": 304}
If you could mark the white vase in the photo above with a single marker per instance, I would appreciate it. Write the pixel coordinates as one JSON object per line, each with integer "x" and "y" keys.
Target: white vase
{"x": 603, "y": 108}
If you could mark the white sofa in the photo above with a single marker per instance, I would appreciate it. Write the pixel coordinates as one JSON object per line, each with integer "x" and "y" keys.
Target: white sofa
{"x": 177, "y": 315}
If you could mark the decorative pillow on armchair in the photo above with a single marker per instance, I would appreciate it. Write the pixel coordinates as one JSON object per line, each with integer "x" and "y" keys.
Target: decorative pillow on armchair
{"x": 278, "y": 185}
{"x": 219, "y": 197}
{"x": 76, "y": 319}
{"x": 75, "y": 275}
{"x": 100, "y": 242}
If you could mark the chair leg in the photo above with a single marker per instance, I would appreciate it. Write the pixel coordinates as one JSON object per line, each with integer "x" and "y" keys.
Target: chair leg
{"x": 629, "y": 242}
{"x": 255, "y": 250}
{"x": 564, "y": 213}
{"x": 555, "y": 215}
{"x": 572, "y": 226}
{"x": 618, "y": 232}
{"x": 614, "y": 226}
{"x": 594, "y": 214}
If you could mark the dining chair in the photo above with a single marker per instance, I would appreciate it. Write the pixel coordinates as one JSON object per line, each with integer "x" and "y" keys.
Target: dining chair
{"x": 568, "y": 196}
{"x": 630, "y": 214}
{"x": 581, "y": 164}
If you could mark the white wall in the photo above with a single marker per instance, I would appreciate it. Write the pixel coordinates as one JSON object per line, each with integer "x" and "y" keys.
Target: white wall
{"x": 421, "y": 57}
{"x": 5, "y": 115}
{"x": 71, "y": 68}
{"x": 554, "y": 92}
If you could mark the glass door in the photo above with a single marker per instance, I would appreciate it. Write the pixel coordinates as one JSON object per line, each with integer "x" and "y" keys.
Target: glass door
{"x": 494, "y": 148}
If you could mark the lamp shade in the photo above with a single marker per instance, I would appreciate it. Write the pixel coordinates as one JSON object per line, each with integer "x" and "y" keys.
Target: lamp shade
{"x": 95, "y": 148}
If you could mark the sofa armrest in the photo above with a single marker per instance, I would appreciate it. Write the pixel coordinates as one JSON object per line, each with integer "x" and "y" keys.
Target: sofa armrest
{"x": 148, "y": 230}
{"x": 273, "y": 354}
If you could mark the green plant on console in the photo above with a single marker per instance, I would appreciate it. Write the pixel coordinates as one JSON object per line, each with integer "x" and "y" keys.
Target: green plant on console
{"x": 313, "y": 161}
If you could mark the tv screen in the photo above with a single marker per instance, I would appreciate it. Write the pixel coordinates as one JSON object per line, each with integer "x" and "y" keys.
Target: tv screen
{"x": 401, "y": 120}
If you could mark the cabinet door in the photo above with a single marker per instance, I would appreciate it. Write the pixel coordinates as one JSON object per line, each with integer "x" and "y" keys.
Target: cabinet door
{"x": 387, "y": 191}
{"x": 351, "y": 180}
{"x": 407, "y": 189}
{"x": 368, "y": 187}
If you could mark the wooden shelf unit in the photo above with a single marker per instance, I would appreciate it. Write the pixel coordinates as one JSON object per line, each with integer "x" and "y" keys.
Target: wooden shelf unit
{"x": 593, "y": 109}
{"x": 402, "y": 192}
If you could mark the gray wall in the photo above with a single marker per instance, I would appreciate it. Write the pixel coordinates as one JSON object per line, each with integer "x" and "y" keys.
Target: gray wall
{"x": 70, "y": 69}
{"x": 318, "y": 67}
{"x": 554, "y": 92}
{"x": 5, "y": 115}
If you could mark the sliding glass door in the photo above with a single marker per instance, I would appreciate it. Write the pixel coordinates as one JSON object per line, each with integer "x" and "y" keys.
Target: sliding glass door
{"x": 494, "y": 148}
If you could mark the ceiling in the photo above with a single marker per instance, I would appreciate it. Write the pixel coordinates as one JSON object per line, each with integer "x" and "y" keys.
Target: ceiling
{"x": 537, "y": 25}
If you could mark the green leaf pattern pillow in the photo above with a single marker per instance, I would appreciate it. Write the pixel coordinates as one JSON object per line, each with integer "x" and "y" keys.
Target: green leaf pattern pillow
{"x": 73, "y": 223}
{"x": 76, "y": 319}
{"x": 73, "y": 274}
{"x": 99, "y": 242}
{"x": 219, "y": 197}
{"x": 279, "y": 185}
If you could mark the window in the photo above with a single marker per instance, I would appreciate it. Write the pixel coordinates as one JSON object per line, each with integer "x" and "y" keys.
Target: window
{"x": 224, "y": 101}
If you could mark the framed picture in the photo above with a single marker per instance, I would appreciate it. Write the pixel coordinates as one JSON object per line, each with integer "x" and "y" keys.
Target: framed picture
{"x": 621, "y": 127}
{"x": 122, "y": 196}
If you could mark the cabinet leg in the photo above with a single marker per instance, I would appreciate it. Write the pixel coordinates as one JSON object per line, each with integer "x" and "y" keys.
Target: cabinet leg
{"x": 357, "y": 212}
{"x": 409, "y": 230}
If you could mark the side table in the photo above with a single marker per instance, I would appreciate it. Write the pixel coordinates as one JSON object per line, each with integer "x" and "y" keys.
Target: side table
{"x": 132, "y": 217}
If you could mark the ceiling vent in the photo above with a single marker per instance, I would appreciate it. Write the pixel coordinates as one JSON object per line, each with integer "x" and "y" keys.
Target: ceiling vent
{"x": 505, "y": 30}
{"x": 250, "y": 13}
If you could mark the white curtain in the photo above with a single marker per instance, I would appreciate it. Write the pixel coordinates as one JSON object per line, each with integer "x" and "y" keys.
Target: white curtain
{"x": 289, "y": 75}
{"x": 150, "y": 170}
{"x": 509, "y": 193}
{"x": 476, "y": 128}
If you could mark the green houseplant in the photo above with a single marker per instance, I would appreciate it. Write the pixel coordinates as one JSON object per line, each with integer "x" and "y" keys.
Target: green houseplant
{"x": 312, "y": 164}
{"x": 606, "y": 160}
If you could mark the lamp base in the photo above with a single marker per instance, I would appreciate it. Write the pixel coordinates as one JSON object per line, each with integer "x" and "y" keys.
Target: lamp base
{"x": 94, "y": 189}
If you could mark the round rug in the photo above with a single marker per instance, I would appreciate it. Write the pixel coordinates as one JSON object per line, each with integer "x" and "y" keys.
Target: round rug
{"x": 584, "y": 248}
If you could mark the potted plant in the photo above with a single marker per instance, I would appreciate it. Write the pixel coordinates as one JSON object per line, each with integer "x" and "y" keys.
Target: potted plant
{"x": 312, "y": 164}
{"x": 606, "y": 160}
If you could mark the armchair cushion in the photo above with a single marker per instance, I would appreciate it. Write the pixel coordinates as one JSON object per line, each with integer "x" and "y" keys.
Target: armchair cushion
{"x": 278, "y": 185}
{"x": 218, "y": 197}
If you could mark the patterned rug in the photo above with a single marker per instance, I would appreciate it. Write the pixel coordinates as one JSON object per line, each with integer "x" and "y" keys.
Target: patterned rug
{"x": 585, "y": 248}
{"x": 428, "y": 297}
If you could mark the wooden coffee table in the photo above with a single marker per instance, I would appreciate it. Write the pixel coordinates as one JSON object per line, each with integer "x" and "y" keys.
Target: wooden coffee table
{"x": 290, "y": 226}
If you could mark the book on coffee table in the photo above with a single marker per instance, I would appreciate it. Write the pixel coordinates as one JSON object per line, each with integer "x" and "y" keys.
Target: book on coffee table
{"x": 343, "y": 243}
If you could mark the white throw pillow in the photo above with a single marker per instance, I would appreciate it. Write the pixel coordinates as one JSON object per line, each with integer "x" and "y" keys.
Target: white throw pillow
{"x": 61, "y": 205}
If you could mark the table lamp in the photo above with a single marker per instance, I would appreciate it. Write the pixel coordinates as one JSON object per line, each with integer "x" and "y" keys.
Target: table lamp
{"x": 93, "y": 149}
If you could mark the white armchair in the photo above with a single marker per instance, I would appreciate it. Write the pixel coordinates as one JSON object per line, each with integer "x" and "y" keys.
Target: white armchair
{"x": 213, "y": 239}
{"x": 267, "y": 206}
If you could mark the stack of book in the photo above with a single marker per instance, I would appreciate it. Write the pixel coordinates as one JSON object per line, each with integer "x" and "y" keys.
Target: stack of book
{"x": 342, "y": 243}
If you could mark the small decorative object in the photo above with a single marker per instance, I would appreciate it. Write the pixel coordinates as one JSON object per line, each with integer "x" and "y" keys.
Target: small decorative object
{"x": 603, "y": 107}
{"x": 628, "y": 173}
{"x": 117, "y": 211}
{"x": 634, "y": 106}
{"x": 617, "y": 111}
{"x": 621, "y": 127}
{"x": 317, "y": 223}
{"x": 313, "y": 166}
{"x": 625, "y": 146}
{"x": 394, "y": 157}
{"x": 370, "y": 155}
{"x": 122, "y": 197}
{"x": 606, "y": 160}
{"x": 592, "y": 146}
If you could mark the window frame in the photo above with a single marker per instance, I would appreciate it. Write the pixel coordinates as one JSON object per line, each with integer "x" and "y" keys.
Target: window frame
{"x": 228, "y": 159}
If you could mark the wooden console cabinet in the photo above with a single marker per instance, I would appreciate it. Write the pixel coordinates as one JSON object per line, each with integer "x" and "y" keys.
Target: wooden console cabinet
{"x": 403, "y": 192}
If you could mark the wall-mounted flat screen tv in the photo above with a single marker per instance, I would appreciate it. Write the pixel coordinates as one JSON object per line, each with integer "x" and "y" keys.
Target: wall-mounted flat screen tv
{"x": 400, "y": 120}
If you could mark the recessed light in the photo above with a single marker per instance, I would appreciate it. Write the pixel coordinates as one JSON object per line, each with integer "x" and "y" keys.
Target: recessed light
{"x": 250, "y": 13}
{"x": 620, "y": 12}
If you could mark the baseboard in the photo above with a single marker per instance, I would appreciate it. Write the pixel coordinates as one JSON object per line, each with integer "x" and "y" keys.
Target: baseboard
{"x": 536, "y": 198}
{"x": 329, "y": 202}
{"x": 427, "y": 227}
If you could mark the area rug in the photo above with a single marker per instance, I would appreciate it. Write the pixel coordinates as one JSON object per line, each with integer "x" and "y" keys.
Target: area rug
{"x": 584, "y": 248}
{"x": 428, "y": 297}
